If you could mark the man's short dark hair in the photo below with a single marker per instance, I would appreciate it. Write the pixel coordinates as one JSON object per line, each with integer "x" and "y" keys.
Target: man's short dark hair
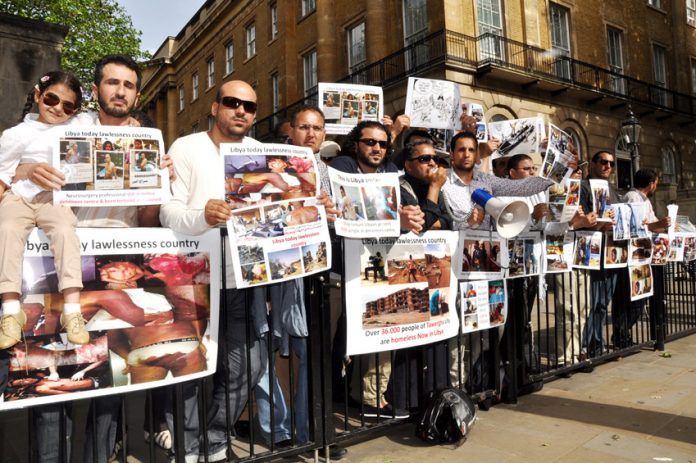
{"x": 303, "y": 108}
{"x": 460, "y": 135}
{"x": 644, "y": 177}
{"x": 424, "y": 134}
{"x": 515, "y": 160}
{"x": 595, "y": 157}
{"x": 410, "y": 148}
{"x": 122, "y": 60}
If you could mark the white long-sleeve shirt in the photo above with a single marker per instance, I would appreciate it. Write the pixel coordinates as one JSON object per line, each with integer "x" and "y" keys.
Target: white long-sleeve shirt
{"x": 199, "y": 168}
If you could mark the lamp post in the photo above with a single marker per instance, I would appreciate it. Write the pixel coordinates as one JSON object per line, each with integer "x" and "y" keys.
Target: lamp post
{"x": 630, "y": 131}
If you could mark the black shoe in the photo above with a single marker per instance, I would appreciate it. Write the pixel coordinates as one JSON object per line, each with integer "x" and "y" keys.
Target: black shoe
{"x": 241, "y": 429}
{"x": 385, "y": 412}
{"x": 337, "y": 453}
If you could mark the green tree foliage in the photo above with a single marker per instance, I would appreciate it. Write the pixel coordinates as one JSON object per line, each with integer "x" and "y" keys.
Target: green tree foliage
{"x": 97, "y": 28}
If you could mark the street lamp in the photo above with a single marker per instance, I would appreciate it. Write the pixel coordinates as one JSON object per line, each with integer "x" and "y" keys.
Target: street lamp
{"x": 630, "y": 131}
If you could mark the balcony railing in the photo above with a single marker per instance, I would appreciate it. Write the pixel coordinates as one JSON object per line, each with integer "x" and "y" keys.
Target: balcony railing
{"x": 456, "y": 50}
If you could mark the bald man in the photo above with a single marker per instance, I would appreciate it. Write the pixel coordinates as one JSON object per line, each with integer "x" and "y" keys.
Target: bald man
{"x": 198, "y": 205}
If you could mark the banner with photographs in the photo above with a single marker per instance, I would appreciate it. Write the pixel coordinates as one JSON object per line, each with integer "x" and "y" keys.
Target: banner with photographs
{"x": 146, "y": 300}
{"x": 517, "y": 136}
{"x": 622, "y": 221}
{"x": 480, "y": 256}
{"x": 268, "y": 173}
{"x": 615, "y": 253}
{"x": 402, "y": 291}
{"x": 563, "y": 201}
{"x": 587, "y": 250}
{"x": 641, "y": 281}
{"x": 639, "y": 251}
{"x": 484, "y": 304}
{"x": 689, "y": 247}
{"x": 677, "y": 247}
{"x": 107, "y": 166}
{"x": 368, "y": 204}
{"x": 660, "y": 248}
{"x": 433, "y": 104}
{"x": 475, "y": 113}
{"x": 344, "y": 105}
{"x": 561, "y": 156}
{"x": 524, "y": 255}
{"x": 278, "y": 242}
{"x": 600, "y": 199}
{"x": 558, "y": 252}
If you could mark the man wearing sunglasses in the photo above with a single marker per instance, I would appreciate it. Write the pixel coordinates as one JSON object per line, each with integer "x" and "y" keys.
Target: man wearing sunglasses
{"x": 196, "y": 207}
{"x": 421, "y": 184}
{"x": 602, "y": 283}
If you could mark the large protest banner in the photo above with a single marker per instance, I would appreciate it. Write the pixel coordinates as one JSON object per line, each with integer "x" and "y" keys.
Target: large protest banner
{"x": 277, "y": 232}
{"x": 368, "y": 204}
{"x": 402, "y": 291}
{"x": 344, "y": 105}
{"x": 147, "y": 301}
{"x": 110, "y": 166}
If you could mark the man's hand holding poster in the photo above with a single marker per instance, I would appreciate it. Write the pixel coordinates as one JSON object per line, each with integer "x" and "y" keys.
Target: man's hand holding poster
{"x": 110, "y": 166}
{"x": 147, "y": 302}
{"x": 402, "y": 291}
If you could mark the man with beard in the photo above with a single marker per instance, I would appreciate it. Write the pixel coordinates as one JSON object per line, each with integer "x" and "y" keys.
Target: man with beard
{"x": 116, "y": 86}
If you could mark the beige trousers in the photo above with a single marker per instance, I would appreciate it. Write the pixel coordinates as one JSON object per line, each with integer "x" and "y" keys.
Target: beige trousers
{"x": 17, "y": 218}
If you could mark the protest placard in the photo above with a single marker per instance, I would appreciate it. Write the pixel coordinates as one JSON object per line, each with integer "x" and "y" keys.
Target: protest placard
{"x": 433, "y": 104}
{"x": 484, "y": 304}
{"x": 147, "y": 301}
{"x": 615, "y": 253}
{"x": 558, "y": 252}
{"x": 561, "y": 156}
{"x": 107, "y": 166}
{"x": 368, "y": 204}
{"x": 480, "y": 256}
{"x": 403, "y": 292}
{"x": 587, "y": 250}
{"x": 524, "y": 255}
{"x": 344, "y": 105}
{"x": 517, "y": 136}
{"x": 641, "y": 281}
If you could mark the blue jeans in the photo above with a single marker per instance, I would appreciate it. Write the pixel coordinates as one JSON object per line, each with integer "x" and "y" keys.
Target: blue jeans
{"x": 282, "y": 417}
{"x": 602, "y": 286}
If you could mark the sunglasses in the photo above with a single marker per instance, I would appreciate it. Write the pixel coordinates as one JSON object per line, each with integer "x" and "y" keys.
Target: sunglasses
{"x": 426, "y": 158}
{"x": 372, "y": 142}
{"x": 51, "y": 99}
{"x": 606, "y": 162}
{"x": 234, "y": 103}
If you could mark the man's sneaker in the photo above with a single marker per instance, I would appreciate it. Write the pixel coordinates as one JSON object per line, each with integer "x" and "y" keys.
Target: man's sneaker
{"x": 11, "y": 329}
{"x": 385, "y": 412}
{"x": 214, "y": 455}
{"x": 74, "y": 326}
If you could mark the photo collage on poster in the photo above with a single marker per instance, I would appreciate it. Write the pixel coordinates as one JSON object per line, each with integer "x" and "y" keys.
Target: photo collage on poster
{"x": 345, "y": 105}
{"x": 475, "y": 111}
{"x": 403, "y": 291}
{"x": 660, "y": 249}
{"x": 563, "y": 201}
{"x": 484, "y": 304}
{"x": 146, "y": 301}
{"x": 600, "y": 199}
{"x": 558, "y": 254}
{"x": 561, "y": 156}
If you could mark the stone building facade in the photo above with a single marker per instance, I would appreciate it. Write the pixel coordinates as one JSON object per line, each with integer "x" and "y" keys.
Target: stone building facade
{"x": 579, "y": 63}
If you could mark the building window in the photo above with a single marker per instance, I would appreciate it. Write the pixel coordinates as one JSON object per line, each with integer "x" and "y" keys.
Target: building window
{"x": 229, "y": 57}
{"x": 691, "y": 12}
{"x": 617, "y": 83}
{"x": 560, "y": 40}
{"x": 415, "y": 28}
{"x": 310, "y": 71}
{"x": 490, "y": 21}
{"x": 274, "y": 21}
{"x": 308, "y": 6}
{"x": 211, "y": 122}
{"x": 669, "y": 171}
{"x": 357, "y": 55}
{"x": 660, "y": 74}
{"x": 251, "y": 40}
{"x": 211, "y": 72}
{"x": 181, "y": 98}
{"x": 655, "y": 3}
{"x": 194, "y": 87}
{"x": 276, "y": 92}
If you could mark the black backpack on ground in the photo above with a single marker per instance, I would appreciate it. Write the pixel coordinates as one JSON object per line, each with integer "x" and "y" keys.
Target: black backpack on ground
{"x": 448, "y": 417}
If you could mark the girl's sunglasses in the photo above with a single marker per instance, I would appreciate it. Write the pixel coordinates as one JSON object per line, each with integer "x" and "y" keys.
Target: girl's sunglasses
{"x": 51, "y": 99}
